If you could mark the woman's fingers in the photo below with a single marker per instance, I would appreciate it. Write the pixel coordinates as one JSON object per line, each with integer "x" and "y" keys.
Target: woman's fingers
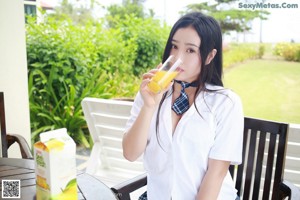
{"x": 149, "y": 74}
{"x": 159, "y": 66}
{"x": 145, "y": 82}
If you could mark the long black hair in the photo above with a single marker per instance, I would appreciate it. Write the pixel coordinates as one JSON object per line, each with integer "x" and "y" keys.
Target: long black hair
{"x": 210, "y": 35}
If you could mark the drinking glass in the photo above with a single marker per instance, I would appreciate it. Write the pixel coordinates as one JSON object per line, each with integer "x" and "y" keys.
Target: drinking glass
{"x": 166, "y": 73}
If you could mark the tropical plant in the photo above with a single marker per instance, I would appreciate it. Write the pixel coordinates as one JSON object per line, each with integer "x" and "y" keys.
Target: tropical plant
{"x": 67, "y": 63}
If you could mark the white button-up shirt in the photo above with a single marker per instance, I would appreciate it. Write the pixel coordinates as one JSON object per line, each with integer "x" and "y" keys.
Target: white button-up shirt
{"x": 176, "y": 163}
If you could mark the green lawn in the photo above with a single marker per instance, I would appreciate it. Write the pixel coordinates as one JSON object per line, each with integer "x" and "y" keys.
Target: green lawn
{"x": 269, "y": 89}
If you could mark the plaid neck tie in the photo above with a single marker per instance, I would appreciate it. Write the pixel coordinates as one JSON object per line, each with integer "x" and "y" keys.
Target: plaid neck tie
{"x": 181, "y": 104}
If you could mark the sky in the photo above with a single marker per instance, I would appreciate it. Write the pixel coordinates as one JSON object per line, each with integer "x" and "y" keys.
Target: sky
{"x": 283, "y": 24}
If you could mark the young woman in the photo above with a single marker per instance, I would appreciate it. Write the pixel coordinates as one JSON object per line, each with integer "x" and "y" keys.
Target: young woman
{"x": 191, "y": 132}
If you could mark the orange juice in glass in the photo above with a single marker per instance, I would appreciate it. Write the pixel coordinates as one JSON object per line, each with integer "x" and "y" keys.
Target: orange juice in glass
{"x": 165, "y": 75}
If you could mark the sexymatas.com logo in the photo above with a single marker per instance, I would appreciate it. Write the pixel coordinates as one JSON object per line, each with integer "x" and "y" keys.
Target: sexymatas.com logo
{"x": 265, "y": 5}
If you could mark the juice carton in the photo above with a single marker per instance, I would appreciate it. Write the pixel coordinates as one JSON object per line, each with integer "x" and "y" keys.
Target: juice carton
{"x": 55, "y": 166}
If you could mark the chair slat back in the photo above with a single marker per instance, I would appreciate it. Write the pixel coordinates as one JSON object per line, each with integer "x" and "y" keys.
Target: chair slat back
{"x": 106, "y": 120}
{"x": 264, "y": 149}
{"x": 3, "y": 126}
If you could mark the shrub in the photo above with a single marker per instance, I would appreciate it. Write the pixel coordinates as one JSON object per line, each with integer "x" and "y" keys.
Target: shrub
{"x": 149, "y": 37}
{"x": 261, "y": 51}
{"x": 238, "y": 52}
{"x": 297, "y": 55}
{"x": 289, "y": 51}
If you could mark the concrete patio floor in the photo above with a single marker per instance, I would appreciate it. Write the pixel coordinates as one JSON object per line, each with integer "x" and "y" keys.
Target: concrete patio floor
{"x": 82, "y": 156}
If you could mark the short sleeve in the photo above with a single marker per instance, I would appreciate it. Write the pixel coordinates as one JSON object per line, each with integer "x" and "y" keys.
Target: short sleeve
{"x": 229, "y": 119}
{"x": 136, "y": 107}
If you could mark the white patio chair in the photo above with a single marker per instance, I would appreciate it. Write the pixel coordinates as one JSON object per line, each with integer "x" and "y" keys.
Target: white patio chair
{"x": 106, "y": 119}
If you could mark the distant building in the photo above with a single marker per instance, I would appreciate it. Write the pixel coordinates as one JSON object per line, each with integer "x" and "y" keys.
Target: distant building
{"x": 31, "y": 7}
